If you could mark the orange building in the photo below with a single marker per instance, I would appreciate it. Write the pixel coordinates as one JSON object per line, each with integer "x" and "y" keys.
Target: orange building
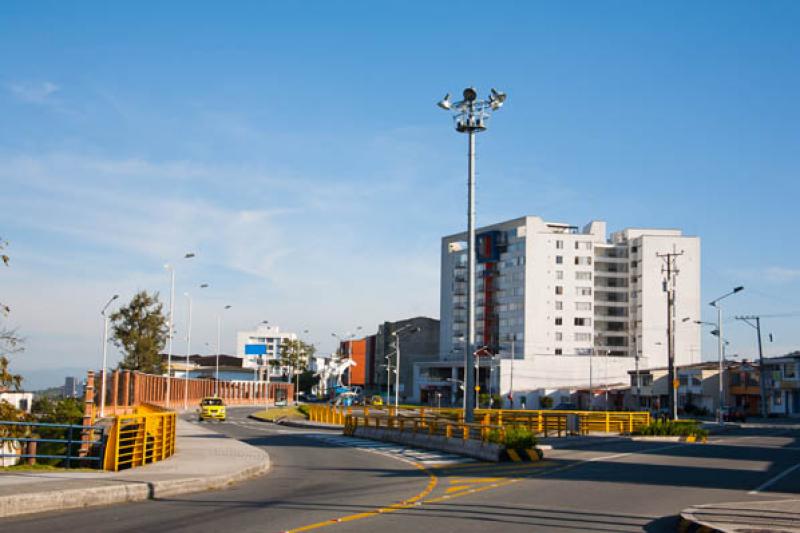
{"x": 357, "y": 349}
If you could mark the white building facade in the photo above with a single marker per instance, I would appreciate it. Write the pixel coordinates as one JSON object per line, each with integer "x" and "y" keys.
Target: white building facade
{"x": 260, "y": 347}
{"x": 575, "y": 306}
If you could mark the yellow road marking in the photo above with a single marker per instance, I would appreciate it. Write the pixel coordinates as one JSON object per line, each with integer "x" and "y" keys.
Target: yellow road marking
{"x": 405, "y": 504}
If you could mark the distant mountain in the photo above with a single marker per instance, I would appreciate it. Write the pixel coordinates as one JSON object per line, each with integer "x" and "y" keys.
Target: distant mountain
{"x": 45, "y": 378}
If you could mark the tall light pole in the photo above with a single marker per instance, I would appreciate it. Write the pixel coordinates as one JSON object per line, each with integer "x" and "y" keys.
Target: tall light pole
{"x": 105, "y": 355}
{"x": 471, "y": 116}
{"x": 188, "y": 346}
{"x": 720, "y": 347}
{"x": 171, "y": 269}
{"x": 219, "y": 340}
{"x": 396, "y": 335}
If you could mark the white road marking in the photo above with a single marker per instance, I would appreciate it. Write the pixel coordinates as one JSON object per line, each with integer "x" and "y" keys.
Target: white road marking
{"x": 775, "y": 479}
{"x": 411, "y": 455}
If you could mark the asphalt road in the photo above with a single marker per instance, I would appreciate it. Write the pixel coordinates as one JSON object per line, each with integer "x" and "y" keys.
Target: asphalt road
{"x": 316, "y": 484}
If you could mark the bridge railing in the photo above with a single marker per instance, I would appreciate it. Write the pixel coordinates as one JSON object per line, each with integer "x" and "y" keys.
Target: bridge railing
{"x": 64, "y": 445}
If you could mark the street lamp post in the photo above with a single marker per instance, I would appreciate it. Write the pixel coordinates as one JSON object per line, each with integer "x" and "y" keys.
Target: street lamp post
{"x": 171, "y": 324}
{"x": 471, "y": 116}
{"x": 720, "y": 347}
{"x": 396, "y": 335}
{"x": 105, "y": 355}
{"x": 188, "y": 346}
{"x": 219, "y": 338}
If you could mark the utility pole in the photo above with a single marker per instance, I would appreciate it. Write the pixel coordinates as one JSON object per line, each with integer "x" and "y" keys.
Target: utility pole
{"x": 511, "y": 382}
{"x": 762, "y": 386}
{"x": 671, "y": 271}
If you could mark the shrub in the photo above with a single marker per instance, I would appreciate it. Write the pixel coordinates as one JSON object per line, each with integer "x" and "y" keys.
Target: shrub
{"x": 675, "y": 428}
{"x": 516, "y": 438}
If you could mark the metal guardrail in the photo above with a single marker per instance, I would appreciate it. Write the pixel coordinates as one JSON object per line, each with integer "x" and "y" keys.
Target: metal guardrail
{"x": 141, "y": 438}
{"x": 551, "y": 424}
{"x": 70, "y": 445}
{"x": 538, "y": 421}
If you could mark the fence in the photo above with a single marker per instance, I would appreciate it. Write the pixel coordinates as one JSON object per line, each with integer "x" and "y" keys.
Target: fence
{"x": 137, "y": 439}
{"x": 126, "y": 390}
{"x": 552, "y": 423}
{"x": 538, "y": 421}
{"x": 67, "y": 445}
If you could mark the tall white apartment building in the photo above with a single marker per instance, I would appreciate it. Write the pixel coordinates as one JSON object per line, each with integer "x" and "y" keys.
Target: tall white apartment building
{"x": 260, "y": 346}
{"x": 574, "y": 305}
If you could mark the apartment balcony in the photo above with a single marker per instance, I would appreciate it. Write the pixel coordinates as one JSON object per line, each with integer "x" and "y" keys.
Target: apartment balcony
{"x": 610, "y": 259}
{"x": 610, "y": 274}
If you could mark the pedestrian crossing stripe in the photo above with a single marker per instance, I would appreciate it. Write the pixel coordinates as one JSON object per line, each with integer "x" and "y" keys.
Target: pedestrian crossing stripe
{"x": 425, "y": 457}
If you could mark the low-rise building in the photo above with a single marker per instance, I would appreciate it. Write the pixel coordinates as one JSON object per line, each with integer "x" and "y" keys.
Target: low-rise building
{"x": 744, "y": 390}
{"x": 698, "y": 388}
{"x": 782, "y": 381}
{"x": 18, "y": 399}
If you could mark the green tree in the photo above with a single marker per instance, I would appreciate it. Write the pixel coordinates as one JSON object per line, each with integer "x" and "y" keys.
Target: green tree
{"x": 140, "y": 330}
{"x": 296, "y": 354}
{"x": 10, "y": 342}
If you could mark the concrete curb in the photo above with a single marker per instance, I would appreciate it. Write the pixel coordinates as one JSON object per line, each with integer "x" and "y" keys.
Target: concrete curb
{"x": 122, "y": 492}
{"x": 779, "y": 516}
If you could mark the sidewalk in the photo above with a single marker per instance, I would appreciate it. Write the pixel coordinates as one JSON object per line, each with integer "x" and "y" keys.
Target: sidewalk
{"x": 776, "y": 516}
{"x": 204, "y": 460}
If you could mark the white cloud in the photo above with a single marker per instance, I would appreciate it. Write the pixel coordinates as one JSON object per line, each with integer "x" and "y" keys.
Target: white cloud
{"x": 298, "y": 251}
{"x": 781, "y": 274}
{"x": 33, "y": 92}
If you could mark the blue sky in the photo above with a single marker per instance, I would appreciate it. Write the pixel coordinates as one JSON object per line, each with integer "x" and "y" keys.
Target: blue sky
{"x": 296, "y": 148}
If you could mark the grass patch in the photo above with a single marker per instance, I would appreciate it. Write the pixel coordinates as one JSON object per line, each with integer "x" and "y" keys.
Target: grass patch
{"x": 516, "y": 438}
{"x": 299, "y": 412}
{"x": 673, "y": 428}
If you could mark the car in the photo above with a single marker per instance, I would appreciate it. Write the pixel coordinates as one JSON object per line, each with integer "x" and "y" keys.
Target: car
{"x": 212, "y": 408}
{"x": 733, "y": 414}
{"x": 376, "y": 400}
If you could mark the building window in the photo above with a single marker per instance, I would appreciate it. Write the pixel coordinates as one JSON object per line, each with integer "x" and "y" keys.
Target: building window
{"x": 559, "y": 259}
{"x": 559, "y": 351}
{"x": 559, "y": 245}
{"x": 583, "y": 291}
{"x": 582, "y": 260}
{"x": 788, "y": 371}
{"x": 559, "y": 289}
{"x": 583, "y": 245}
{"x": 559, "y": 274}
{"x": 559, "y": 321}
{"x": 583, "y": 306}
{"x": 559, "y": 305}
{"x": 580, "y": 321}
{"x": 559, "y": 336}
{"x": 634, "y": 249}
{"x": 585, "y": 276}
{"x": 583, "y": 337}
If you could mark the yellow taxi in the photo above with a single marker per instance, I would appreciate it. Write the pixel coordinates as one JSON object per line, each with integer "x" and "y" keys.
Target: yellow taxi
{"x": 212, "y": 408}
{"x": 376, "y": 400}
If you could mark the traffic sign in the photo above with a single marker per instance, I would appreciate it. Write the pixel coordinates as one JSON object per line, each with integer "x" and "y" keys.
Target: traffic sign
{"x": 676, "y": 383}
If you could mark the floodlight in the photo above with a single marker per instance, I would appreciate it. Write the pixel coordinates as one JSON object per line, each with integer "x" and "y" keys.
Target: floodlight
{"x": 445, "y": 103}
{"x": 470, "y": 94}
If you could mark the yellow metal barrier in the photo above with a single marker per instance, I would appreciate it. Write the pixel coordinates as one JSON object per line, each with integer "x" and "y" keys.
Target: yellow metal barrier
{"x": 539, "y": 421}
{"x": 144, "y": 437}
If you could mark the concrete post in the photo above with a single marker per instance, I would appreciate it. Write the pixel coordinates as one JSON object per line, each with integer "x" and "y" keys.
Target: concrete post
{"x": 114, "y": 391}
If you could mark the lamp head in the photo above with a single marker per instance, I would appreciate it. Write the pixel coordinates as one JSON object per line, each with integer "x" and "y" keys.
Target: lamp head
{"x": 189, "y": 255}
{"x": 228, "y": 307}
{"x": 114, "y": 297}
{"x": 203, "y": 285}
{"x": 470, "y": 94}
{"x": 737, "y": 289}
{"x": 445, "y": 103}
